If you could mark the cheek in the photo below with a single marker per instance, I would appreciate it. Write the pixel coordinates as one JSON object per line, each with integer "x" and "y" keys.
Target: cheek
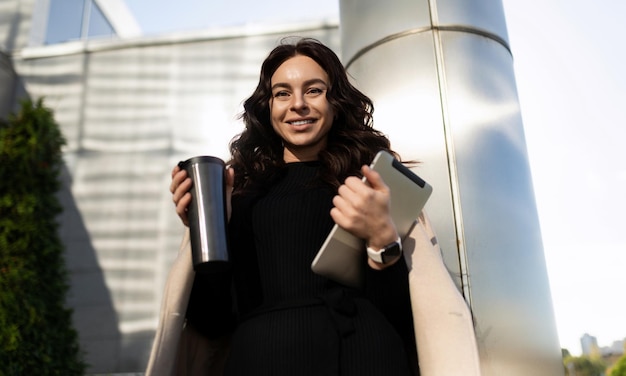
{"x": 276, "y": 110}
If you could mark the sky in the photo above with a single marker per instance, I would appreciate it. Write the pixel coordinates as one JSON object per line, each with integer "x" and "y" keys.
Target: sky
{"x": 568, "y": 59}
{"x": 569, "y": 71}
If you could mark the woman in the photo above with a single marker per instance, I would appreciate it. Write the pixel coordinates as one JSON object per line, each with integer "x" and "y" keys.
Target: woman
{"x": 295, "y": 171}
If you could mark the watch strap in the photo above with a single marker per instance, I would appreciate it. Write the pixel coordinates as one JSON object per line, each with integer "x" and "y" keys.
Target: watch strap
{"x": 388, "y": 253}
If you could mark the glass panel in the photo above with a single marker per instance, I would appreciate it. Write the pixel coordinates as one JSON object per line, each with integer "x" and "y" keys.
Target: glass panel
{"x": 64, "y": 21}
{"x": 98, "y": 24}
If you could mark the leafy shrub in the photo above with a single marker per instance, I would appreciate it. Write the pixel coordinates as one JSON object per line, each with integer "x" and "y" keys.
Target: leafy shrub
{"x": 36, "y": 333}
{"x": 619, "y": 369}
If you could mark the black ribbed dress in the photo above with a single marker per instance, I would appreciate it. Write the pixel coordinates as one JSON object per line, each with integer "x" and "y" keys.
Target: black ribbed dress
{"x": 289, "y": 320}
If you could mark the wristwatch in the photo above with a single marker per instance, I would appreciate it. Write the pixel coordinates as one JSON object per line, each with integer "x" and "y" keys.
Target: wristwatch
{"x": 387, "y": 254}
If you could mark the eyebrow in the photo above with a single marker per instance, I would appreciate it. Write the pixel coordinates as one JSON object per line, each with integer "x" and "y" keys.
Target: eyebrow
{"x": 305, "y": 83}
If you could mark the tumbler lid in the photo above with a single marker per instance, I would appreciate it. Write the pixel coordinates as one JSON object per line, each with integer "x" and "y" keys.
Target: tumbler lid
{"x": 200, "y": 159}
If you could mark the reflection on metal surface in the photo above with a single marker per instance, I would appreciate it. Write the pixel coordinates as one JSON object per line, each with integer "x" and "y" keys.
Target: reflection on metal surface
{"x": 479, "y": 15}
{"x": 444, "y": 90}
{"x": 402, "y": 34}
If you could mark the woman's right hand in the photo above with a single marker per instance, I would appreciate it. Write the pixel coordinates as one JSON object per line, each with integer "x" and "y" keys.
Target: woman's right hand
{"x": 181, "y": 184}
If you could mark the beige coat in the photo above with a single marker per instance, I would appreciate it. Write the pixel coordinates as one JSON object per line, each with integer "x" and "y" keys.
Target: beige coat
{"x": 443, "y": 325}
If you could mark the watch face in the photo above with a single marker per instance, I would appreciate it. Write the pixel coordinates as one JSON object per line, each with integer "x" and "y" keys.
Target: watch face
{"x": 391, "y": 251}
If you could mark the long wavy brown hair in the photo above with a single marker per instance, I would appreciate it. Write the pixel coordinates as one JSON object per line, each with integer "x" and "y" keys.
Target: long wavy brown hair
{"x": 257, "y": 153}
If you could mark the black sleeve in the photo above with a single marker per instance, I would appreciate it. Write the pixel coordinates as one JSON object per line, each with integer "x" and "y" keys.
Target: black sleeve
{"x": 388, "y": 289}
{"x": 210, "y": 304}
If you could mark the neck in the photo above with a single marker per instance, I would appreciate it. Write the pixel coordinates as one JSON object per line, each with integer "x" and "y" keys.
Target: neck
{"x": 291, "y": 155}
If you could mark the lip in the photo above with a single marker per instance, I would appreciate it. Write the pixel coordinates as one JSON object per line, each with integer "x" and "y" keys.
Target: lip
{"x": 301, "y": 122}
{"x": 301, "y": 125}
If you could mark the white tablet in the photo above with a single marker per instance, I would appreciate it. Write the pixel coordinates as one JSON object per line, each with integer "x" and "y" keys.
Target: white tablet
{"x": 341, "y": 256}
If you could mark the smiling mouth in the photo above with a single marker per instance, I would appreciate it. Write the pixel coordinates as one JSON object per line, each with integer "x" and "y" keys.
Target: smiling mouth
{"x": 302, "y": 122}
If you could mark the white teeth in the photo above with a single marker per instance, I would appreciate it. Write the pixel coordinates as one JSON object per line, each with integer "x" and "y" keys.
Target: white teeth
{"x": 301, "y": 122}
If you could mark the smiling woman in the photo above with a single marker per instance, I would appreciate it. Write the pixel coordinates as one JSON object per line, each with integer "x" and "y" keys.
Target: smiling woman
{"x": 296, "y": 171}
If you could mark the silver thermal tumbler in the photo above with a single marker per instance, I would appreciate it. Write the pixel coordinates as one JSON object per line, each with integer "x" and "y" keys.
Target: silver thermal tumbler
{"x": 207, "y": 213}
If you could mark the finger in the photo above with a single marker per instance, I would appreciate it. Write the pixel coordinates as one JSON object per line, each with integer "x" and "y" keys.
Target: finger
{"x": 351, "y": 198}
{"x": 348, "y": 214}
{"x": 175, "y": 170}
{"x": 177, "y": 179}
{"x": 352, "y": 224}
{"x": 343, "y": 206}
{"x": 340, "y": 218}
{"x": 359, "y": 190}
{"x": 180, "y": 190}
{"x": 355, "y": 184}
{"x": 347, "y": 190}
{"x": 355, "y": 191}
{"x": 374, "y": 179}
{"x": 181, "y": 208}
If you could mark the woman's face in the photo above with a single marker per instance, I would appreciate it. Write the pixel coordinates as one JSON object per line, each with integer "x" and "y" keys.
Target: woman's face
{"x": 299, "y": 110}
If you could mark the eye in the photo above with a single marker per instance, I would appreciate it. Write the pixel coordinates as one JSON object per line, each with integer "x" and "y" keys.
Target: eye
{"x": 315, "y": 91}
{"x": 281, "y": 94}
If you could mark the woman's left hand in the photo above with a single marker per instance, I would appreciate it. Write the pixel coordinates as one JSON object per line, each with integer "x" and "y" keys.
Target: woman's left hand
{"x": 363, "y": 209}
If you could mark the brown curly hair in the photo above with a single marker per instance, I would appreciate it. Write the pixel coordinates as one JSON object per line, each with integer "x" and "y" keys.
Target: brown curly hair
{"x": 257, "y": 153}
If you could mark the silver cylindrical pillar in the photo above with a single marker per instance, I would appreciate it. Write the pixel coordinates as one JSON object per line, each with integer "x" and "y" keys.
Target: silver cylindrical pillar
{"x": 440, "y": 73}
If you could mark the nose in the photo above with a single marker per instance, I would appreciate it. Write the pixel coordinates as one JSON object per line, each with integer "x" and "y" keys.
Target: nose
{"x": 299, "y": 102}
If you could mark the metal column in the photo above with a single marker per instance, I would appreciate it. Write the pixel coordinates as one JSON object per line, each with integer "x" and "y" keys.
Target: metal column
{"x": 440, "y": 73}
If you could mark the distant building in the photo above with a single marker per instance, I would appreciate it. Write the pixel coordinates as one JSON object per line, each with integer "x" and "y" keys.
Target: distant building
{"x": 589, "y": 345}
{"x": 616, "y": 348}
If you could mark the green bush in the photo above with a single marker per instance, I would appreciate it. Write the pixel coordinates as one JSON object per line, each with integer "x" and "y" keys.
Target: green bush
{"x": 36, "y": 333}
{"x": 619, "y": 369}
{"x": 584, "y": 366}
